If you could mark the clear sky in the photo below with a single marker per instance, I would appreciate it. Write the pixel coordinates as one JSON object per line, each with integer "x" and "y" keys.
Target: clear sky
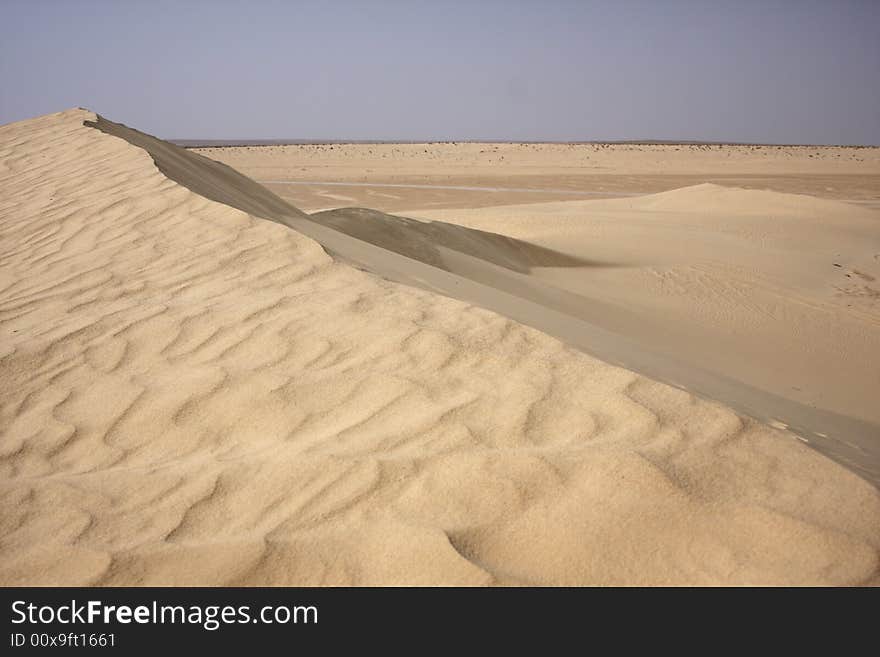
{"x": 787, "y": 71}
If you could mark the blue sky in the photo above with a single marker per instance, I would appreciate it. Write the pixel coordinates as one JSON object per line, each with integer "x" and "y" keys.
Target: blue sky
{"x": 794, "y": 71}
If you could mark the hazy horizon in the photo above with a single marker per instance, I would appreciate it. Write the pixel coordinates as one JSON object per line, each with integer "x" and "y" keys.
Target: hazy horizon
{"x": 317, "y": 141}
{"x": 798, "y": 72}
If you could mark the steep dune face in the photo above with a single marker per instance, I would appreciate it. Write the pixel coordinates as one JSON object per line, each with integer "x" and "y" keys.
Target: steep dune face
{"x": 429, "y": 242}
{"x": 192, "y": 395}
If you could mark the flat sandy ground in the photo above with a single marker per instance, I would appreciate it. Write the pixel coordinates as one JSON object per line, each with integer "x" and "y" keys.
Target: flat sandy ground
{"x": 361, "y": 173}
{"x": 193, "y": 391}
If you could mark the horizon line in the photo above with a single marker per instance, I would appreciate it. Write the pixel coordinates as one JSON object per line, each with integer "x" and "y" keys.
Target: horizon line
{"x": 221, "y": 143}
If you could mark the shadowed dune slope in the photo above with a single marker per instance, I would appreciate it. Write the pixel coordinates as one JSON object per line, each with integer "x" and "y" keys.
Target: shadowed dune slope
{"x": 207, "y": 177}
{"x": 193, "y": 395}
{"x": 426, "y": 241}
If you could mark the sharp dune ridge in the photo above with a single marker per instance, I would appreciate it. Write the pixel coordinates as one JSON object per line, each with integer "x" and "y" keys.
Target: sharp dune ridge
{"x": 190, "y": 394}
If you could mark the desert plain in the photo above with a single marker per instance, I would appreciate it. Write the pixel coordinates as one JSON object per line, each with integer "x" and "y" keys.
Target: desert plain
{"x": 443, "y": 363}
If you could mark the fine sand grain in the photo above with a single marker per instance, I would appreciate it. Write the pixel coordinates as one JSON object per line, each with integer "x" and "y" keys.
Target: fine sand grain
{"x": 191, "y": 394}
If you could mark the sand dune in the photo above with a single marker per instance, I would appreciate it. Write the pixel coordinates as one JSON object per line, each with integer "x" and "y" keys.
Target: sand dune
{"x": 190, "y": 394}
{"x": 767, "y": 301}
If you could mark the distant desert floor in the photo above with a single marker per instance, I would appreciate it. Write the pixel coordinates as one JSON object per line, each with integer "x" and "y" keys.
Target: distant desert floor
{"x": 617, "y": 380}
{"x": 395, "y": 177}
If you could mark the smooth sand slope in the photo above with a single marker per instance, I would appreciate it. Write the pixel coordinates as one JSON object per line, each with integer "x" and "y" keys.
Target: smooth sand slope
{"x": 193, "y": 395}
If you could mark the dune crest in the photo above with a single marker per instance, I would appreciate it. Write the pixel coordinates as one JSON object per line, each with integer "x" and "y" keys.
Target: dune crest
{"x": 193, "y": 395}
